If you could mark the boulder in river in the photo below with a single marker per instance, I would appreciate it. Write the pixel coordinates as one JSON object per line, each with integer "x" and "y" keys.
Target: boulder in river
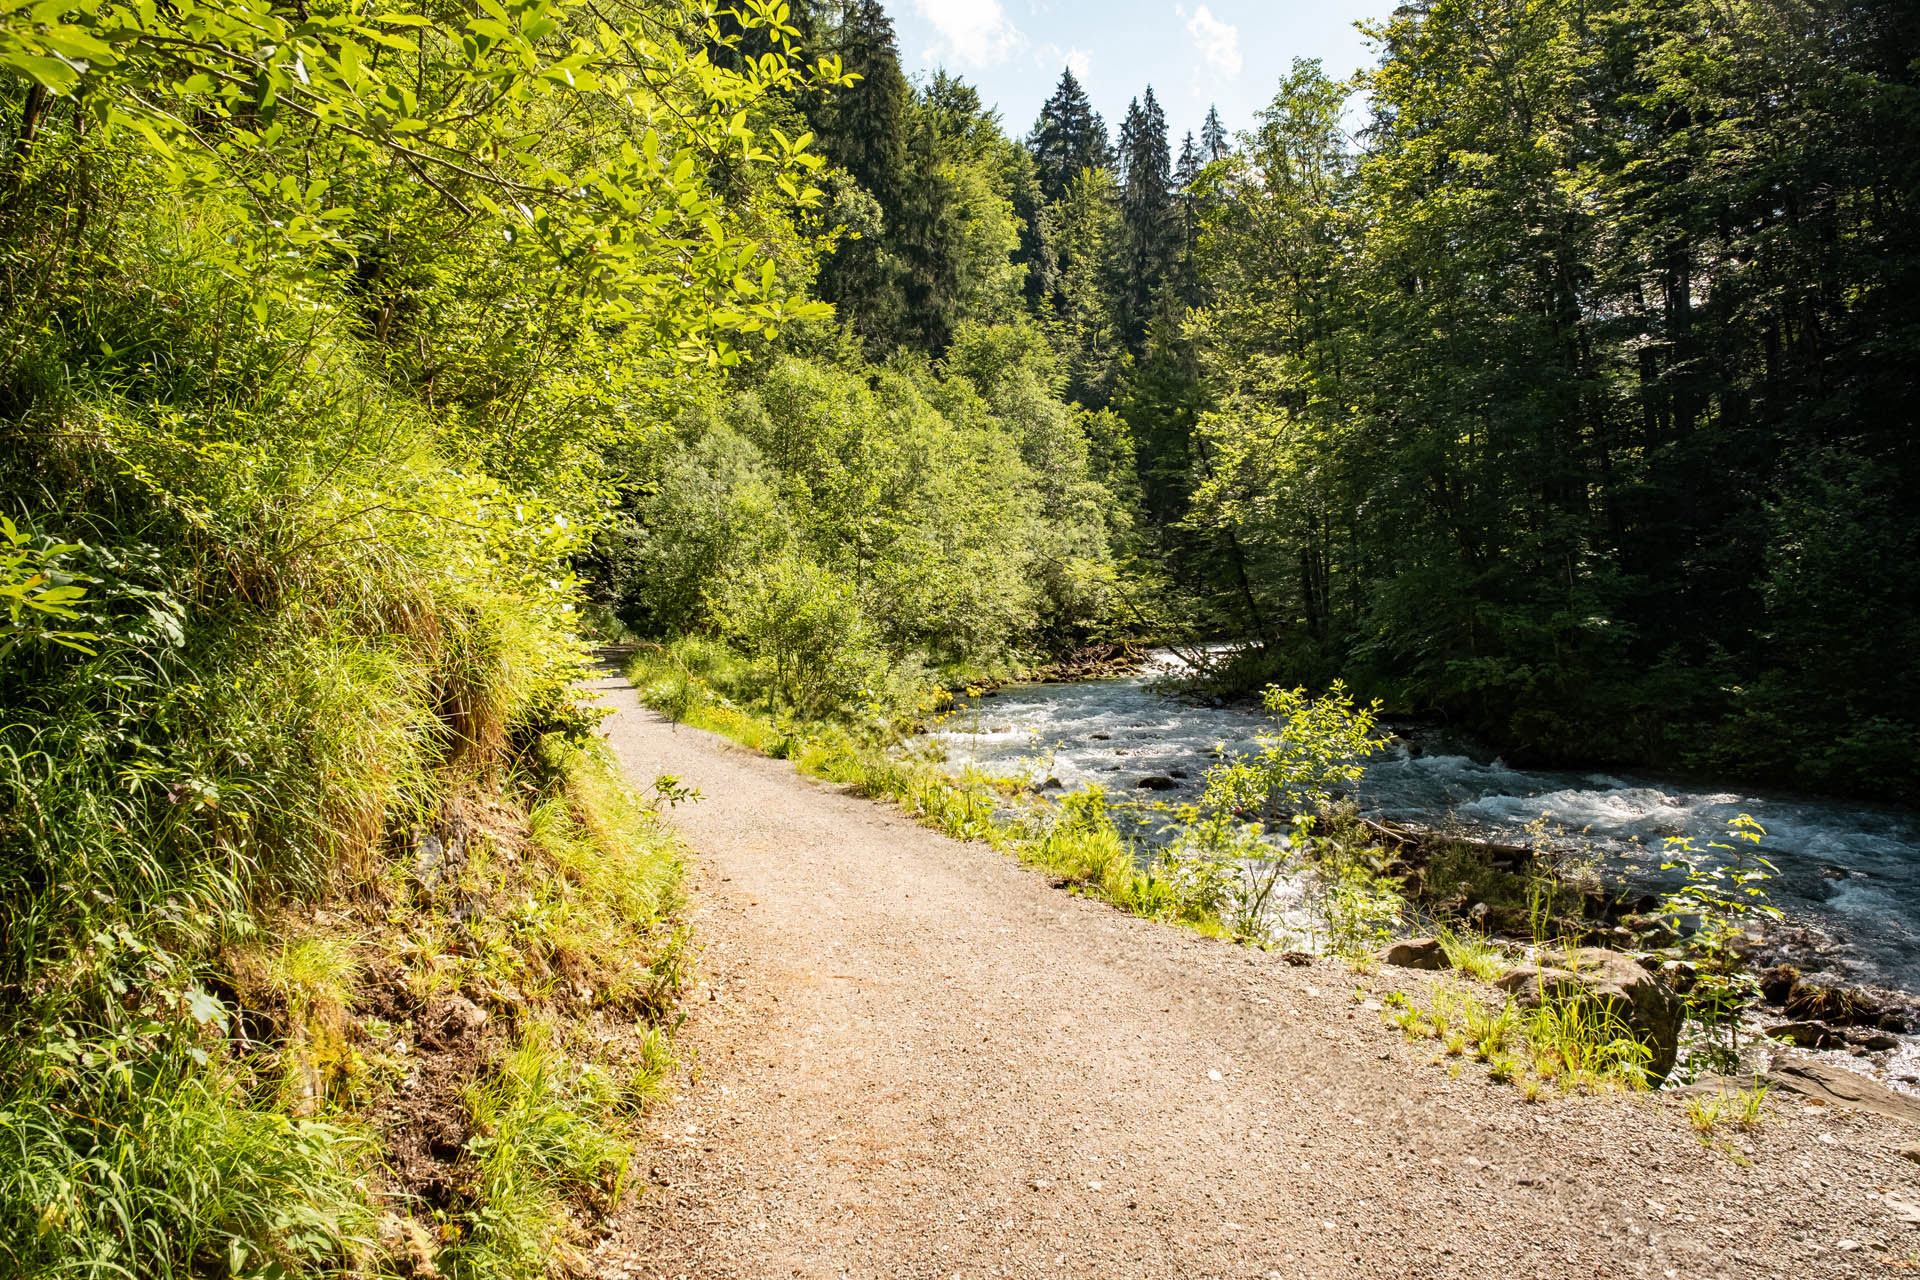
{"x": 1616, "y": 983}
{"x": 1416, "y": 953}
{"x": 1157, "y": 782}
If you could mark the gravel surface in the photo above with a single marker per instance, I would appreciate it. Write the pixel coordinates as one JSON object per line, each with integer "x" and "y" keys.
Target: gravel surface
{"x": 912, "y": 1057}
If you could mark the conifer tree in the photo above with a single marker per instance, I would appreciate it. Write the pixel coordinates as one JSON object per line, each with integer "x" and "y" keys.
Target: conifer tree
{"x": 1187, "y": 169}
{"x": 888, "y": 281}
{"x": 1150, "y": 233}
{"x": 1213, "y": 136}
{"x": 863, "y": 129}
{"x": 1069, "y": 136}
{"x": 1186, "y": 172}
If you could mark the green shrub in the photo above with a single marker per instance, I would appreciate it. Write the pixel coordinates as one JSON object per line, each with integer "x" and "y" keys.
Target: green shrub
{"x": 805, "y": 626}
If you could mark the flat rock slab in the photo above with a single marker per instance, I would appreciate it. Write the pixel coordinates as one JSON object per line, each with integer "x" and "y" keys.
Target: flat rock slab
{"x": 1842, "y": 1088}
{"x": 916, "y": 1059}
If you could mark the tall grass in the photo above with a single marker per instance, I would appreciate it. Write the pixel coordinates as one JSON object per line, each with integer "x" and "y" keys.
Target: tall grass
{"x": 156, "y": 1168}
{"x": 1577, "y": 1045}
{"x": 546, "y": 1139}
{"x": 319, "y": 626}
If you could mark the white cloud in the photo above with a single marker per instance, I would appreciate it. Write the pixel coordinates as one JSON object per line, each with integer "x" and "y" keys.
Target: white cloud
{"x": 1052, "y": 57}
{"x": 1217, "y": 41}
{"x": 974, "y": 33}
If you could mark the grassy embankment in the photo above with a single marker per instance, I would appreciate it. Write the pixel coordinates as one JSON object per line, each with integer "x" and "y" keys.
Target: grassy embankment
{"x": 376, "y": 983}
{"x": 371, "y": 996}
{"x": 331, "y": 944}
{"x": 709, "y": 687}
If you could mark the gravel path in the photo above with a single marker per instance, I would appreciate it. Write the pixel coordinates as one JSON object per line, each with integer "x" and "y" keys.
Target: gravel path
{"x": 915, "y": 1058}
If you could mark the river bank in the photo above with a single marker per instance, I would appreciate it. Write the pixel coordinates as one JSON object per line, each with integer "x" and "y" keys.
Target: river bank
{"x": 1848, "y": 875}
{"x": 1349, "y": 894}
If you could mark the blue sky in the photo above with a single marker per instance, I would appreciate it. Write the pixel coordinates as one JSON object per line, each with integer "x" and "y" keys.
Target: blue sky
{"x": 1230, "y": 52}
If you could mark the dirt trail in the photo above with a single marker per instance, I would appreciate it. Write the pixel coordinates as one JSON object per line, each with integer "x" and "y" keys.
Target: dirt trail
{"x": 917, "y": 1058}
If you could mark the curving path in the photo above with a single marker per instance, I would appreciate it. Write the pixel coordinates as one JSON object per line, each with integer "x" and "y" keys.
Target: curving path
{"x": 913, "y": 1057}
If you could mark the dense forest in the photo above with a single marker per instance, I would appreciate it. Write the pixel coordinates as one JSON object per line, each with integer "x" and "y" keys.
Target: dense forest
{"x": 360, "y": 365}
{"x": 1567, "y": 400}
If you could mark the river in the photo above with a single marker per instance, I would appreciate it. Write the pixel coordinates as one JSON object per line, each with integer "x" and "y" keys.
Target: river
{"x": 1849, "y": 872}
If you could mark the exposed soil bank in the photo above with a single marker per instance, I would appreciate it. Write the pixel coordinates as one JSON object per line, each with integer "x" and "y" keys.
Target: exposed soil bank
{"x": 919, "y": 1059}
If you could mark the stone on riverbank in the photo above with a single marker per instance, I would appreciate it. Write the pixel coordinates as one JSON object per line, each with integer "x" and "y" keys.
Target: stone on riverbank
{"x": 1616, "y": 983}
{"x": 1416, "y": 953}
{"x": 1806, "y": 1035}
{"x": 1839, "y": 1087}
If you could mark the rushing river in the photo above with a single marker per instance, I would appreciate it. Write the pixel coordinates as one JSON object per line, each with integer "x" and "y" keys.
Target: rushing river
{"x": 1850, "y": 872}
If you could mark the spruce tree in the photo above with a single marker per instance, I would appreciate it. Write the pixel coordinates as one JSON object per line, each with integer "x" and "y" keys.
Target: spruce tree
{"x": 863, "y": 128}
{"x": 1187, "y": 169}
{"x": 1150, "y": 232}
{"x": 1213, "y": 136}
{"x": 1185, "y": 173}
{"x": 1069, "y": 136}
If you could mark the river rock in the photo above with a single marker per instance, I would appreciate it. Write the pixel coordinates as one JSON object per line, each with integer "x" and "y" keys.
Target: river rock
{"x": 1806, "y": 1035}
{"x": 1838, "y": 1087}
{"x": 1777, "y": 983}
{"x": 1157, "y": 782}
{"x": 1616, "y": 982}
{"x": 1874, "y": 1041}
{"x": 1416, "y": 953}
{"x": 1650, "y": 930}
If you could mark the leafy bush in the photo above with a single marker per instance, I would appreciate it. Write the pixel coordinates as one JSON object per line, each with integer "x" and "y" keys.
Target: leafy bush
{"x": 1217, "y": 866}
{"x": 1723, "y": 897}
{"x": 1318, "y": 745}
{"x": 805, "y": 626}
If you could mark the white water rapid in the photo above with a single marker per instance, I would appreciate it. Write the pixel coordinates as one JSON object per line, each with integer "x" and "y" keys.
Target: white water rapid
{"x": 1848, "y": 871}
